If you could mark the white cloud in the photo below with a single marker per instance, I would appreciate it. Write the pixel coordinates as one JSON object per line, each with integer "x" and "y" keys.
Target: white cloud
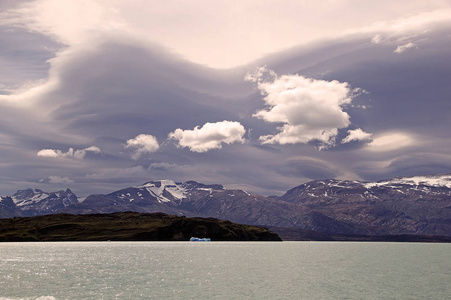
{"x": 377, "y": 39}
{"x": 417, "y": 22}
{"x": 244, "y": 36}
{"x": 56, "y": 179}
{"x": 77, "y": 154}
{"x": 309, "y": 109}
{"x": 143, "y": 144}
{"x": 66, "y": 21}
{"x": 210, "y": 136}
{"x": 391, "y": 141}
{"x": 80, "y": 154}
{"x": 357, "y": 135}
{"x": 404, "y": 48}
{"x": 54, "y": 153}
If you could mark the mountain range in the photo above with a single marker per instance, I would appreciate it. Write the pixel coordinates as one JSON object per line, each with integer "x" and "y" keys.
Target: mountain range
{"x": 419, "y": 205}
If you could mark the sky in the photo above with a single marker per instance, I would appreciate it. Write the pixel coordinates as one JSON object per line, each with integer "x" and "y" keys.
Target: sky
{"x": 98, "y": 95}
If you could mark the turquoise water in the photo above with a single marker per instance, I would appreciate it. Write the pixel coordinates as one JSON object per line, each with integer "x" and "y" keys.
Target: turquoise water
{"x": 224, "y": 270}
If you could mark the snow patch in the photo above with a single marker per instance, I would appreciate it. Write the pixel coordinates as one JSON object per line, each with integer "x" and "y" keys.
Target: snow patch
{"x": 37, "y": 196}
{"x": 210, "y": 190}
{"x": 432, "y": 181}
{"x": 157, "y": 189}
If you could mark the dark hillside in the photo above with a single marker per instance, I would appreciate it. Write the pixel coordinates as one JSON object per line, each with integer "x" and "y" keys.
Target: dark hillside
{"x": 127, "y": 226}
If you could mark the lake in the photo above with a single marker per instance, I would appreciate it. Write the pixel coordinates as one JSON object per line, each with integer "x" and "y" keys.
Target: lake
{"x": 224, "y": 270}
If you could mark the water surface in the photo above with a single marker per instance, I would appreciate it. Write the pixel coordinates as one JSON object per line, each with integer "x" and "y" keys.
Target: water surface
{"x": 224, "y": 270}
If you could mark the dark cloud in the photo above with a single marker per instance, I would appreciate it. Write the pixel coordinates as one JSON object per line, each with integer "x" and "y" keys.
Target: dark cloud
{"x": 122, "y": 90}
{"x": 23, "y": 57}
{"x": 421, "y": 163}
{"x": 309, "y": 168}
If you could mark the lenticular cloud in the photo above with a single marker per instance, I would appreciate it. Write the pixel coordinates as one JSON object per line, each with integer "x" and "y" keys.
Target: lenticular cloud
{"x": 210, "y": 136}
{"x": 308, "y": 109}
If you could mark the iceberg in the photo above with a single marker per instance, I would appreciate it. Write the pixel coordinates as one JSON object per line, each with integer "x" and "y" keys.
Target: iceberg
{"x": 196, "y": 239}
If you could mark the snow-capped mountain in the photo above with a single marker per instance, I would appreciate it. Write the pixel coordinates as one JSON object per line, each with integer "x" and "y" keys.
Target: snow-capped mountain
{"x": 408, "y": 188}
{"x": 163, "y": 191}
{"x": 162, "y": 195}
{"x": 420, "y": 204}
{"x": 190, "y": 199}
{"x": 425, "y": 181}
{"x": 34, "y": 202}
{"x": 408, "y": 205}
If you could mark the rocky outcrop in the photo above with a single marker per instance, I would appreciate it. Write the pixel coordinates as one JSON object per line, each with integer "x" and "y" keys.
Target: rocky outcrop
{"x": 8, "y": 208}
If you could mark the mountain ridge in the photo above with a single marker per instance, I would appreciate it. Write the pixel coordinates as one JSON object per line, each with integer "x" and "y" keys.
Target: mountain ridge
{"x": 402, "y": 205}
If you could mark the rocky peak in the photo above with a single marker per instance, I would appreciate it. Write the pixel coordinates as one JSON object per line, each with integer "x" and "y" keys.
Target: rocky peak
{"x": 28, "y": 196}
{"x": 35, "y": 201}
{"x": 190, "y": 185}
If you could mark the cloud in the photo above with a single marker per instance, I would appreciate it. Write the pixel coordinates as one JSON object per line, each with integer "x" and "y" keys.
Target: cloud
{"x": 404, "y": 163}
{"x": 80, "y": 154}
{"x": 77, "y": 154}
{"x": 107, "y": 90}
{"x": 377, "y": 39}
{"x": 244, "y": 36}
{"x": 404, "y": 48}
{"x": 417, "y": 22}
{"x": 307, "y": 167}
{"x": 309, "y": 109}
{"x": 54, "y": 153}
{"x": 162, "y": 166}
{"x": 143, "y": 144}
{"x": 210, "y": 136}
{"x": 357, "y": 135}
{"x": 421, "y": 163}
{"x": 119, "y": 173}
{"x": 64, "y": 20}
{"x": 391, "y": 141}
{"x": 56, "y": 179}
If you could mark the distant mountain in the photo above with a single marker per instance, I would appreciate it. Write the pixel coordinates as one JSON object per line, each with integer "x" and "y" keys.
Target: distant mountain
{"x": 162, "y": 196}
{"x": 33, "y": 202}
{"x": 191, "y": 199}
{"x": 418, "y": 205}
